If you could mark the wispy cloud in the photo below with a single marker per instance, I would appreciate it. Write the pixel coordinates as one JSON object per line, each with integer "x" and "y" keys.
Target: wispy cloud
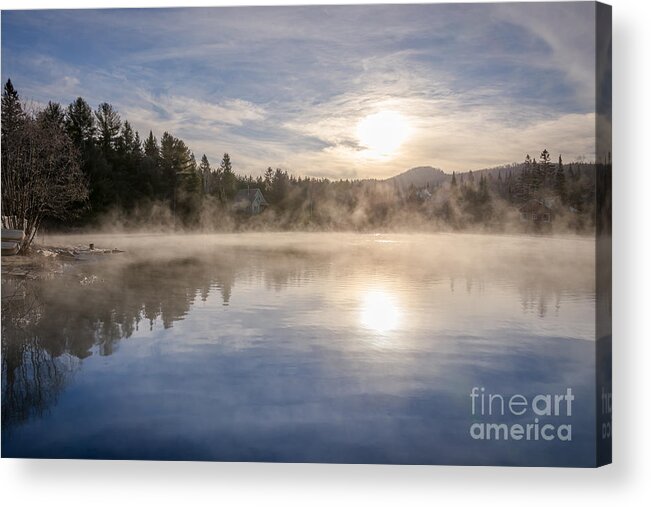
{"x": 479, "y": 84}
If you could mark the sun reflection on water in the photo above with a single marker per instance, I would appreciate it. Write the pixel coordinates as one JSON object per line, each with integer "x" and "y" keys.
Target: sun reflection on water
{"x": 379, "y": 311}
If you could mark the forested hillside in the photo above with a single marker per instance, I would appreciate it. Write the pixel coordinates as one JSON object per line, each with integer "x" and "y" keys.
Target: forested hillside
{"x": 97, "y": 171}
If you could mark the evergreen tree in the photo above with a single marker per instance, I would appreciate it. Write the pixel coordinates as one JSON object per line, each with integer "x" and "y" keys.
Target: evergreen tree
{"x": 108, "y": 127}
{"x": 205, "y": 172}
{"x": 182, "y": 182}
{"x": 560, "y": 184}
{"x": 280, "y": 188}
{"x": 268, "y": 178}
{"x": 205, "y": 164}
{"x": 546, "y": 169}
{"x": 544, "y": 157}
{"x": 80, "y": 123}
{"x": 81, "y": 128}
{"x": 226, "y": 163}
{"x": 175, "y": 154}
{"x": 12, "y": 110}
{"x": 151, "y": 147}
{"x": 127, "y": 140}
{"x": 526, "y": 182}
{"x": 535, "y": 178}
{"x": 229, "y": 182}
{"x": 155, "y": 185}
{"x": 137, "y": 144}
{"x": 53, "y": 115}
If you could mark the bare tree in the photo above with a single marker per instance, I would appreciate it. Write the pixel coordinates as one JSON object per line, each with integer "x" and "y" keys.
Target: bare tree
{"x": 41, "y": 175}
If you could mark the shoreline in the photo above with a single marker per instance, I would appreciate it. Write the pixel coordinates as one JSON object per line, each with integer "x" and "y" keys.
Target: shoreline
{"x": 44, "y": 260}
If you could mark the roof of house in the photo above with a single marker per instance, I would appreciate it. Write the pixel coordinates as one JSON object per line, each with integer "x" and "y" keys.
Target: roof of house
{"x": 246, "y": 196}
{"x": 534, "y": 205}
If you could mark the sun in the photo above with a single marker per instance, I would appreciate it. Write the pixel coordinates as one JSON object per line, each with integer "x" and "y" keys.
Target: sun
{"x": 383, "y": 133}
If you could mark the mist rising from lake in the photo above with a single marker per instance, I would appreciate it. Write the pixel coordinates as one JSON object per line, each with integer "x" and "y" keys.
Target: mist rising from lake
{"x": 297, "y": 347}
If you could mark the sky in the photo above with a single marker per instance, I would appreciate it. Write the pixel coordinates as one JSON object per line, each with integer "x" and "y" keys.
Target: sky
{"x": 326, "y": 91}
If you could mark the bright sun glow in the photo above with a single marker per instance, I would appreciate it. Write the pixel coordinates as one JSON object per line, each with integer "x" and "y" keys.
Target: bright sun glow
{"x": 383, "y": 133}
{"x": 380, "y": 311}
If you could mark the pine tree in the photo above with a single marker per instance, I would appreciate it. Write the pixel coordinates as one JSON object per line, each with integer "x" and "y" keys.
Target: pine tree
{"x": 205, "y": 164}
{"x": 279, "y": 188}
{"x": 108, "y": 123}
{"x": 206, "y": 176}
{"x": 151, "y": 147}
{"x": 126, "y": 141}
{"x": 544, "y": 157}
{"x": 268, "y": 178}
{"x": 182, "y": 182}
{"x": 560, "y": 184}
{"x": 53, "y": 115}
{"x": 546, "y": 169}
{"x": 226, "y": 163}
{"x": 536, "y": 177}
{"x": 453, "y": 182}
{"x": 526, "y": 182}
{"x": 12, "y": 110}
{"x": 228, "y": 187}
{"x": 80, "y": 123}
{"x": 137, "y": 145}
{"x": 175, "y": 154}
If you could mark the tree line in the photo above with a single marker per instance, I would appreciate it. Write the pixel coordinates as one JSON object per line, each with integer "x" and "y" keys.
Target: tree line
{"x": 74, "y": 166}
{"x": 487, "y": 196}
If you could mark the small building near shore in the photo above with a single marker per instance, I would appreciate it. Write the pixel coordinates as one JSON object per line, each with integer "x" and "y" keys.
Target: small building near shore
{"x": 250, "y": 201}
{"x": 536, "y": 212}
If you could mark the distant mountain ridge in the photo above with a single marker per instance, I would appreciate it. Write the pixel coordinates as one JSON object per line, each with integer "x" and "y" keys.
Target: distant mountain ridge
{"x": 419, "y": 177}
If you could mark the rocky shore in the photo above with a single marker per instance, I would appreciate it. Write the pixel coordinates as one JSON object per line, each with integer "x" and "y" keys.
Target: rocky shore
{"x": 45, "y": 261}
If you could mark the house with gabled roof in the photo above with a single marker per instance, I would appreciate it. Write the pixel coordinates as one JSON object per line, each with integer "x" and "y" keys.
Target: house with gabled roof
{"x": 536, "y": 211}
{"x": 250, "y": 201}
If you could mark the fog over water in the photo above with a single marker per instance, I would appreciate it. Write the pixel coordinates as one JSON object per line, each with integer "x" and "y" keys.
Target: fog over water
{"x": 298, "y": 347}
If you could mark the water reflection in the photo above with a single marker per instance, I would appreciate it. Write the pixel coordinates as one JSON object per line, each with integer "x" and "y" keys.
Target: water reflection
{"x": 379, "y": 311}
{"x": 279, "y": 351}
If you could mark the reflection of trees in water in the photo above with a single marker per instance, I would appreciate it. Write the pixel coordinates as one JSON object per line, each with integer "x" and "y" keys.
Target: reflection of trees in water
{"x": 127, "y": 295}
{"x": 539, "y": 297}
{"x": 53, "y": 324}
{"x": 48, "y": 326}
{"x": 33, "y": 370}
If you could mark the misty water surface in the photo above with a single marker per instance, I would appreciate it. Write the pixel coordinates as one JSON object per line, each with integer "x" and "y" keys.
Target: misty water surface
{"x": 298, "y": 347}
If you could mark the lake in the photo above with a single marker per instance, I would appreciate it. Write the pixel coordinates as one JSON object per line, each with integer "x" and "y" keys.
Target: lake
{"x": 300, "y": 347}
